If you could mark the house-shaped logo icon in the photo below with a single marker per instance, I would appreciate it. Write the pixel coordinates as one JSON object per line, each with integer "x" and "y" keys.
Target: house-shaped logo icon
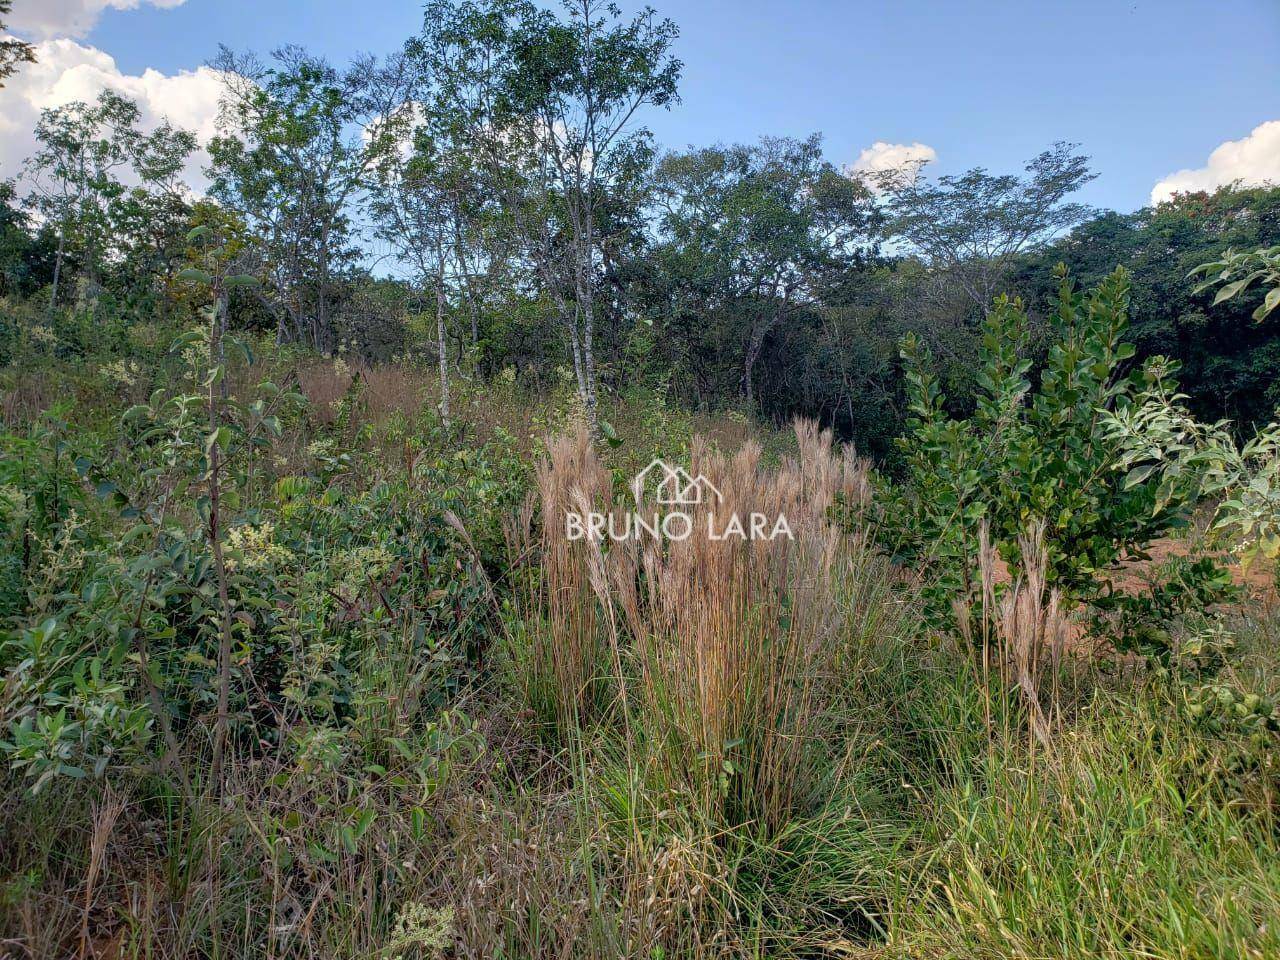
{"x": 674, "y": 485}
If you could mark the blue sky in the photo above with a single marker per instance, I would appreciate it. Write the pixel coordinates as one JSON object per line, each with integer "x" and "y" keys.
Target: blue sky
{"x": 1148, "y": 88}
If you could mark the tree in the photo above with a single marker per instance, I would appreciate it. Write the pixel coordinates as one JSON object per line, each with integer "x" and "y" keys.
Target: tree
{"x": 1230, "y": 363}
{"x": 971, "y": 228}
{"x": 26, "y": 259}
{"x": 292, "y": 158}
{"x": 416, "y": 209}
{"x": 546, "y": 105}
{"x": 75, "y": 175}
{"x": 749, "y": 230}
{"x": 1034, "y": 453}
{"x": 1238, "y": 270}
{"x": 12, "y": 50}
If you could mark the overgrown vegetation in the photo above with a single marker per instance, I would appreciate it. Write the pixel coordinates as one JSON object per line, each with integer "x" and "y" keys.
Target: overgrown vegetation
{"x": 448, "y": 730}
{"x": 309, "y": 650}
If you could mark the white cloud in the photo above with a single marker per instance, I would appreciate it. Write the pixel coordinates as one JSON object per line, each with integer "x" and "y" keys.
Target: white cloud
{"x": 1253, "y": 160}
{"x": 66, "y": 71}
{"x": 882, "y": 157}
{"x": 46, "y": 19}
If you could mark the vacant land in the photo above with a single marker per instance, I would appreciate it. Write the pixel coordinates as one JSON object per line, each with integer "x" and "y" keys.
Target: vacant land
{"x": 437, "y": 521}
{"x": 449, "y": 731}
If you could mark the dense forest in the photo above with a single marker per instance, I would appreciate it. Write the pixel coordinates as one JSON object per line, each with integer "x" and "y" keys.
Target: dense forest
{"x": 300, "y": 658}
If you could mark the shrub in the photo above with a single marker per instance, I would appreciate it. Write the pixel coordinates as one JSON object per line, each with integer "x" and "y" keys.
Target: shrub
{"x": 1161, "y": 444}
{"x": 1032, "y": 452}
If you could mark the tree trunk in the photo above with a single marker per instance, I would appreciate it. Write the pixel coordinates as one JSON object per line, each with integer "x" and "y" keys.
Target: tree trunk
{"x": 322, "y": 311}
{"x": 584, "y": 335}
{"x": 755, "y": 344}
{"x": 589, "y": 372}
{"x": 217, "y": 356}
{"x": 57, "y": 268}
{"x": 473, "y": 305}
{"x": 442, "y": 351}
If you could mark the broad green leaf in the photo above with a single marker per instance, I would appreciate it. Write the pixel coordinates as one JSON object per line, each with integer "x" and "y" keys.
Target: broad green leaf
{"x": 1231, "y": 289}
{"x": 1270, "y": 303}
{"x": 195, "y": 275}
{"x": 221, "y": 437}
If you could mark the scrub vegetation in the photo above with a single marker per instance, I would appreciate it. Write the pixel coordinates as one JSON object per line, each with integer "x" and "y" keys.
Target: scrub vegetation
{"x": 303, "y": 656}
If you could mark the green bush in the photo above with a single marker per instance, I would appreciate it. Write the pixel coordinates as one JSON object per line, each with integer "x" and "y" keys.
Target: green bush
{"x": 1032, "y": 451}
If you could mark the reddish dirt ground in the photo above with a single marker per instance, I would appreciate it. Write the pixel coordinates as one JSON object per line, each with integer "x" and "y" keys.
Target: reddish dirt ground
{"x": 1259, "y": 581}
{"x": 1259, "y": 584}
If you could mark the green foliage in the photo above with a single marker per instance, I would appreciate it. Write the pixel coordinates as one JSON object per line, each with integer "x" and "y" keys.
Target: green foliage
{"x": 974, "y": 225}
{"x": 1229, "y": 363}
{"x": 1031, "y": 452}
{"x": 1237, "y": 271}
{"x": 12, "y": 50}
{"x": 112, "y": 602}
{"x": 747, "y": 231}
{"x": 1180, "y": 589}
{"x": 260, "y": 609}
{"x": 1115, "y": 844}
{"x": 1160, "y": 441}
{"x": 289, "y": 160}
{"x": 76, "y": 182}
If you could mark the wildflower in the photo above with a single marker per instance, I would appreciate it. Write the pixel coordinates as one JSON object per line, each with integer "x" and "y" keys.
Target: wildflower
{"x": 13, "y": 506}
{"x": 122, "y": 372}
{"x": 425, "y": 928}
{"x": 321, "y": 449}
{"x": 357, "y": 567}
{"x": 251, "y": 547}
{"x": 43, "y": 335}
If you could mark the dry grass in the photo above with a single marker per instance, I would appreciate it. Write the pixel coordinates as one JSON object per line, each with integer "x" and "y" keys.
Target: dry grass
{"x": 1022, "y": 633}
{"x": 734, "y": 638}
{"x": 395, "y": 388}
{"x": 722, "y": 646}
{"x": 323, "y": 384}
{"x": 26, "y": 397}
{"x": 557, "y": 655}
{"x": 385, "y": 389}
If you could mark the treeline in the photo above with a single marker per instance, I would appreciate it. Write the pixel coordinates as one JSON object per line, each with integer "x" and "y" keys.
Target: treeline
{"x": 490, "y": 198}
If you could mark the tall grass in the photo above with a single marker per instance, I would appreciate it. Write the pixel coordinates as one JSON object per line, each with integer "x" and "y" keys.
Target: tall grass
{"x": 556, "y": 643}
{"x": 1114, "y": 843}
{"x": 734, "y": 641}
{"x": 721, "y": 648}
{"x": 1020, "y": 634}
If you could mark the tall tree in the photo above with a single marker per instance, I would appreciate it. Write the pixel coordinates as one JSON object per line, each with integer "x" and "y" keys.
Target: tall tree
{"x": 750, "y": 230}
{"x": 77, "y": 174}
{"x": 12, "y": 50}
{"x": 1230, "y": 362}
{"x": 548, "y": 104}
{"x": 293, "y": 156}
{"x": 972, "y": 227}
{"x": 416, "y": 208}
{"x": 26, "y": 258}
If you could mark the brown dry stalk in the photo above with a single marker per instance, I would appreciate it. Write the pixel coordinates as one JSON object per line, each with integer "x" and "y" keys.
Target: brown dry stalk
{"x": 565, "y": 645}
{"x": 1022, "y": 629}
{"x": 729, "y": 642}
{"x": 105, "y": 815}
